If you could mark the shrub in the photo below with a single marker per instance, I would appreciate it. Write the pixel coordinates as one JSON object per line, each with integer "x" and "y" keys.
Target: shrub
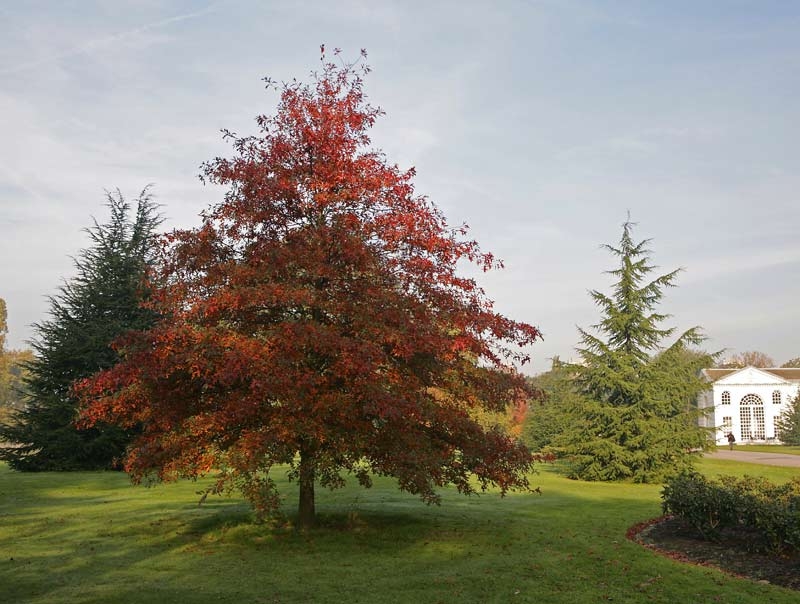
{"x": 770, "y": 512}
{"x": 700, "y": 502}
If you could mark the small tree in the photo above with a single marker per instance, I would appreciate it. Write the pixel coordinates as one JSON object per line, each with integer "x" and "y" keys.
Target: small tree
{"x": 788, "y": 423}
{"x": 4, "y": 363}
{"x": 102, "y": 302}
{"x": 3, "y": 325}
{"x": 316, "y": 319}
{"x": 792, "y": 363}
{"x": 638, "y": 418}
{"x": 12, "y": 372}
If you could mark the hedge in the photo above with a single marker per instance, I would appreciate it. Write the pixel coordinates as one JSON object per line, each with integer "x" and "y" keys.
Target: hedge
{"x": 768, "y": 513}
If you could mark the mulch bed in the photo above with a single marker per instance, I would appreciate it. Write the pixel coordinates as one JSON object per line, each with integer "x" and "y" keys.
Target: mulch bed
{"x": 731, "y": 553}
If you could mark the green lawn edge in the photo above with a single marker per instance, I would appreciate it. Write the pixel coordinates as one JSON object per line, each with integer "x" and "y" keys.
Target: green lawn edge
{"x": 785, "y": 449}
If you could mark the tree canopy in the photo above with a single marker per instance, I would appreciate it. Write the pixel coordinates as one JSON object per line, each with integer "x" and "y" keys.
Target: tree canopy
{"x": 100, "y": 303}
{"x": 317, "y": 318}
{"x": 637, "y": 418}
{"x": 748, "y": 358}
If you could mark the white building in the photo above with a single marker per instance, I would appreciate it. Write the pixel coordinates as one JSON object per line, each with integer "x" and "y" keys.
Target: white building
{"x": 747, "y": 402}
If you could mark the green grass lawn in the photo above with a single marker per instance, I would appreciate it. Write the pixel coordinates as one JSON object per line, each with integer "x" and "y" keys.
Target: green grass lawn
{"x": 790, "y": 450}
{"x": 91, "y": 537}
{"x": 717, "y": 467}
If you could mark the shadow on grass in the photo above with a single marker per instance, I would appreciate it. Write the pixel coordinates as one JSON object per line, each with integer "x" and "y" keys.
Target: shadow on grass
{"x": 156, "y": 545}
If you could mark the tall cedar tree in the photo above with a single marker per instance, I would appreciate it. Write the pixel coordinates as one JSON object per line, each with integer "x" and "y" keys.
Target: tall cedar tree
{"x": 638, "y": 417}
{"x": 98, "y": 305}
{"x": 316, "y": 319}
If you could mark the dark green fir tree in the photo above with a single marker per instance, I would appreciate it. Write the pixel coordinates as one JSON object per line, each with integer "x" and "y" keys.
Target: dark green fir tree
{"x": 637, "y": 418}
{"x": 100, "y": 303}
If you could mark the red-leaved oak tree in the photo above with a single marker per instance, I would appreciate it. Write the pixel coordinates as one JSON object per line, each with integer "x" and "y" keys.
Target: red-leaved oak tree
{"x": 317, "y": 319}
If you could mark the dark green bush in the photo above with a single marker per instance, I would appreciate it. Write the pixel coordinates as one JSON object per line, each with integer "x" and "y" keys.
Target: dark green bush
{"x": 700, "y": 502}
{"x": 768, "y": 512}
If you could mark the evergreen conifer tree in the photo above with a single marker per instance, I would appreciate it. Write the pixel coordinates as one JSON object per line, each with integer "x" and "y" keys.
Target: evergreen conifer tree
{"x": 637, "y": 418}
{"x": 788, "y": 423}
{"x": 102, "y": 302}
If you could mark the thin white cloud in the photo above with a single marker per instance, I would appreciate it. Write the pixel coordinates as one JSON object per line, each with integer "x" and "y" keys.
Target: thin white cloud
{"x": 91, "y": 46}
{"x": 733, "y": 262}
{"x": 644, "y": 142}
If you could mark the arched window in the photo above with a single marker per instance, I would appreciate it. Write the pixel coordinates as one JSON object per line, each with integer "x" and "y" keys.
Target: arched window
{"x": 776, "y": 397}
{"x": 726, "y": 398}
{"x": 751, "y": 410}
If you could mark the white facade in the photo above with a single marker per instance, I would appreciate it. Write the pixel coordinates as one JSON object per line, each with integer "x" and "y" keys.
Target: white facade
{"x": 747, "y": 402}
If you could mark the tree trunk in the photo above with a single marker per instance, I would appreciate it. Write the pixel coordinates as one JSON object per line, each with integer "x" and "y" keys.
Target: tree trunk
{"x": 306, "y": 517}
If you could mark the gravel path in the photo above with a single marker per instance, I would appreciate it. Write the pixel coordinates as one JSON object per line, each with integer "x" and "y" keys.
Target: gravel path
{"x": 769, "y": 459}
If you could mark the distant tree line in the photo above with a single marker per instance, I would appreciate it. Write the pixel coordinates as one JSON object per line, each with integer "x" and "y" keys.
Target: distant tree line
{"x": 754, "y": 358}
{"x": 12, "y": 371}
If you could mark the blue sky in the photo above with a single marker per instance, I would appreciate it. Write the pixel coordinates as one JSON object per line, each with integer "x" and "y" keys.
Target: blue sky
{"x": 539, "y": 124}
